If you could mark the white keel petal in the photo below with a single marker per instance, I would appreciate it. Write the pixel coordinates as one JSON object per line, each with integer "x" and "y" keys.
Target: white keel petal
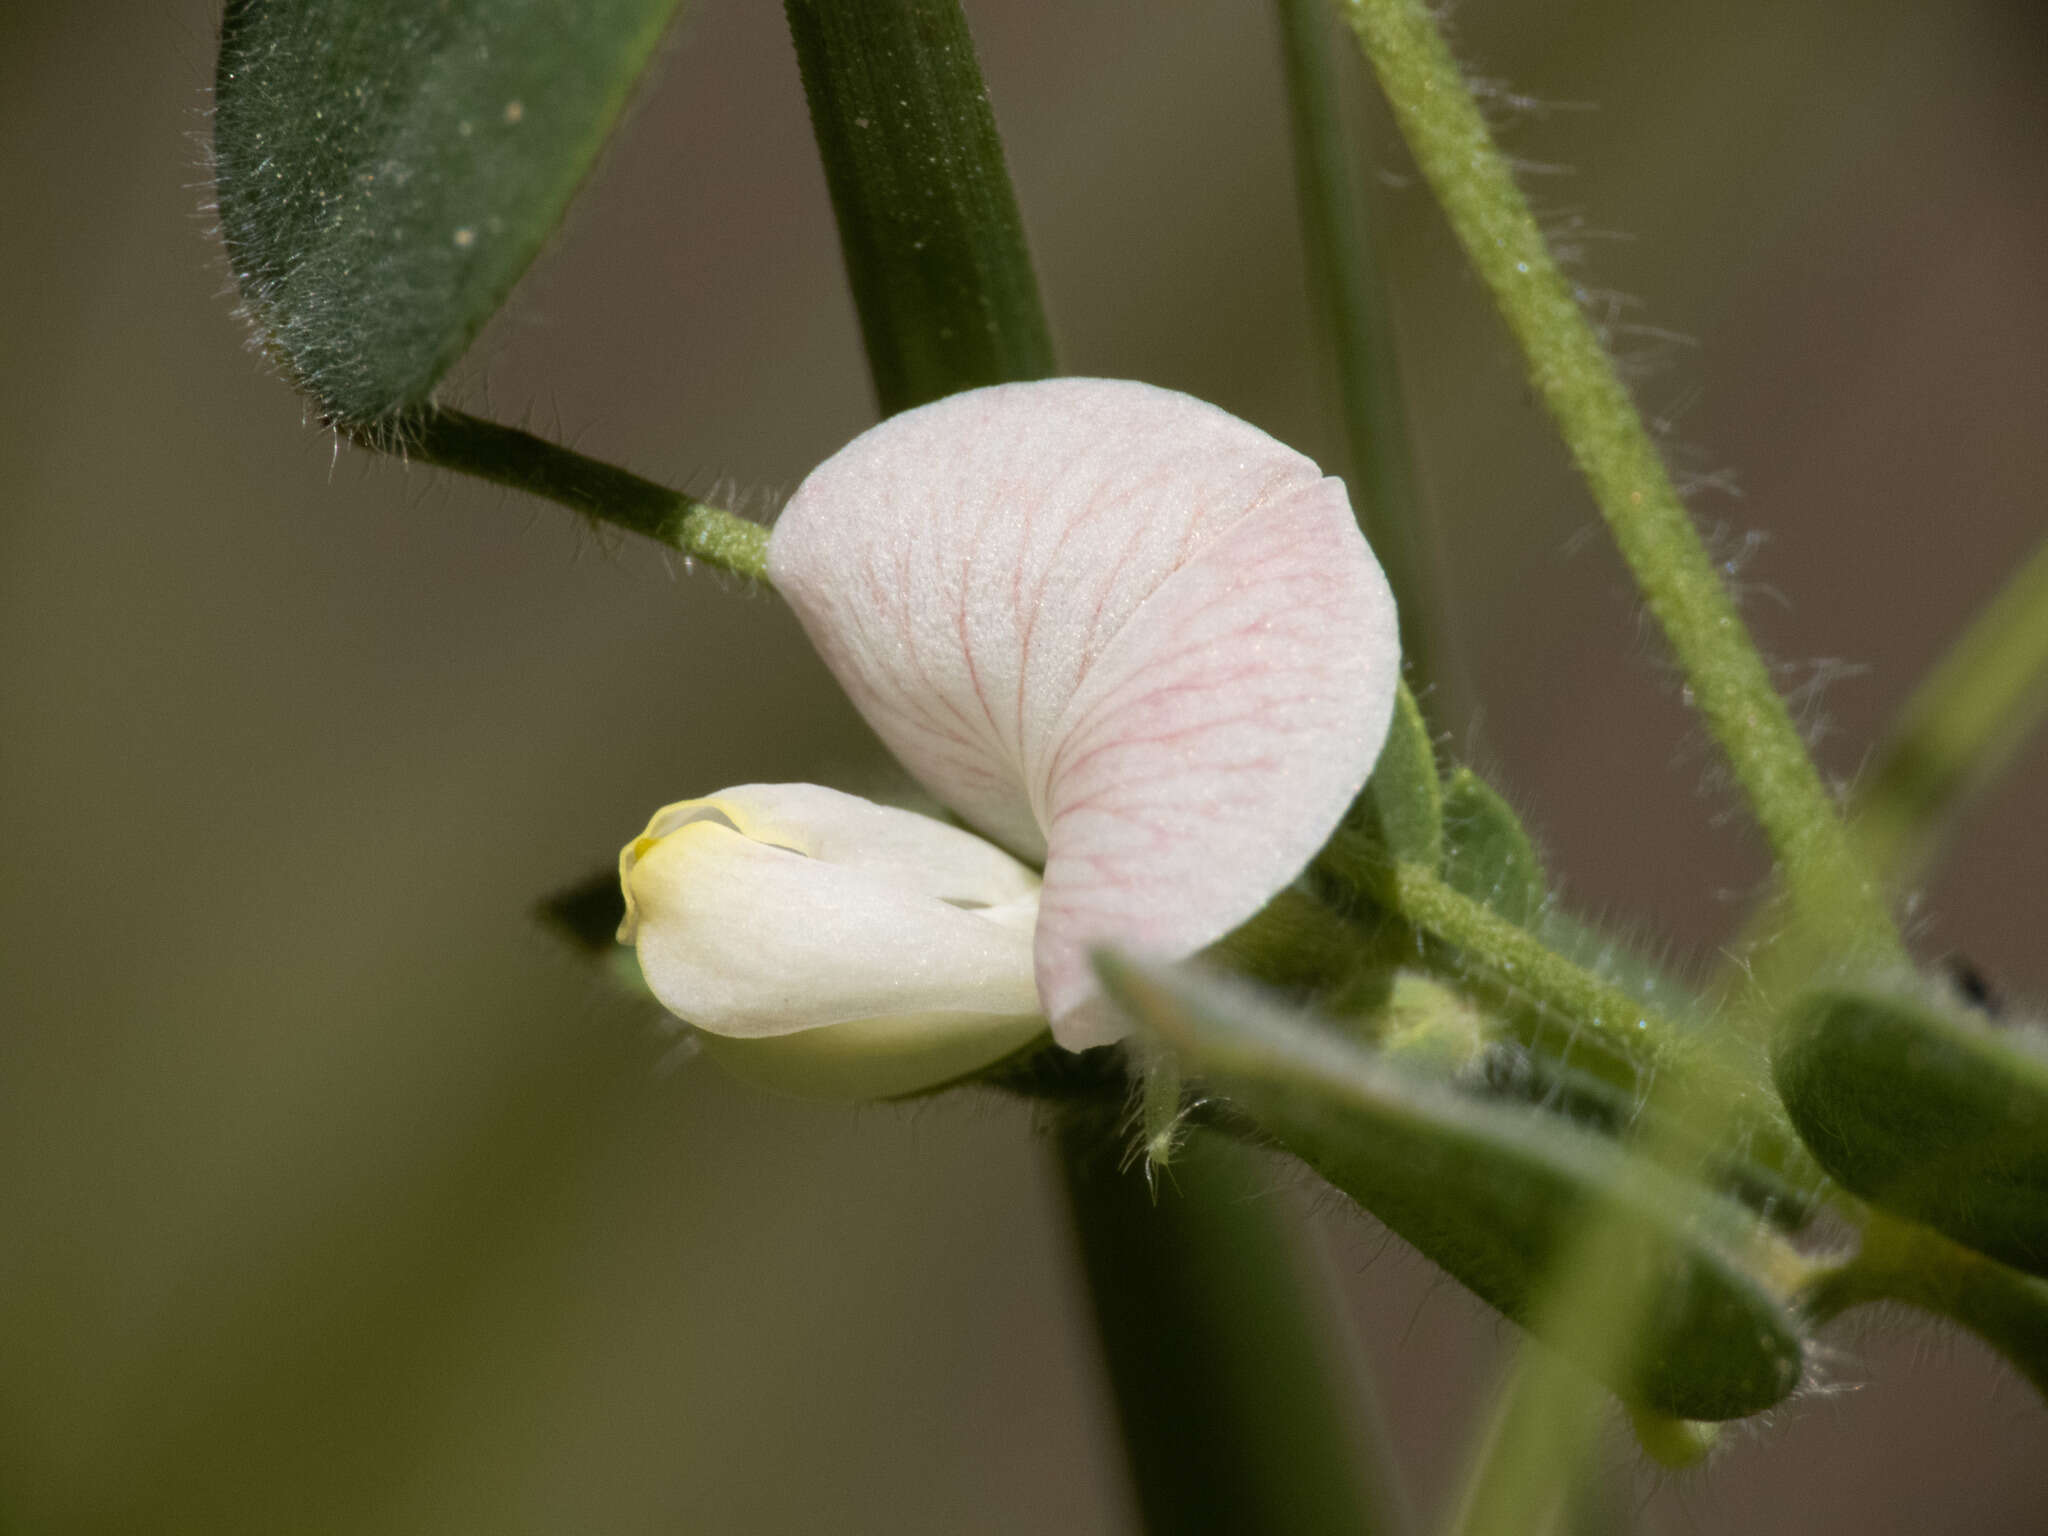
{"x": 751, "y": 939}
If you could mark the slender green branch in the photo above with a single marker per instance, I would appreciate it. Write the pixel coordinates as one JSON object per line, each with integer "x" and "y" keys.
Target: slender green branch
{"x": 1517, "y": 960}
{"x": 1899, "y": 1261}
{"x": 1962, "y": 725}
{"x": 507, "y": 456}
{"x": 1239, "y": 1415}
{"x": 1350, "y": 296}
{"x": 1832, "y": 894}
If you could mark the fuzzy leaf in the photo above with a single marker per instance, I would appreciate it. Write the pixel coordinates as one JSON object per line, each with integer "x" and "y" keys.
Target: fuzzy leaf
{"x": 1487, "y": 854}
{"x": 387, "y": 169}
{"x": 1929, "y": 1110}
{"x": 1496, "y": 1193}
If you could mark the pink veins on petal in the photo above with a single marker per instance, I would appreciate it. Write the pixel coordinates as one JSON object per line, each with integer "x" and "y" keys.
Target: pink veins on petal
{"x": 1116, "y": 629}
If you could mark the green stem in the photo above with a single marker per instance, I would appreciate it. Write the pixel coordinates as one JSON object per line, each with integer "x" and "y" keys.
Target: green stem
{"x": 1202, "y": 1288}
{"x": 1899, "y": 1261}
{"x": 1238, "y": 1414}
{"x": 928, "y": 224}
{"x": 1515, "y": 960}
{"x": 507, "y": 456}
{"x": 1962, "y": 725}
{"x": 1832, "y": 894}
{"x": 1350, "y": 297}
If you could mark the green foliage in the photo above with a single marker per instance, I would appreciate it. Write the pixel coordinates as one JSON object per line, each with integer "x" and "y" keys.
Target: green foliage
{"x": 928, "y": 224}
{"x": 1495, "y": 1193}
{"x": 1487, "y": 854}
{"x": 387, "y": 169}
{"x": 1927, "y": 1109}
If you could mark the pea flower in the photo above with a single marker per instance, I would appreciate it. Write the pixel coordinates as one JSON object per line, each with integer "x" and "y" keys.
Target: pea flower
{"x": 1124, "y": 635}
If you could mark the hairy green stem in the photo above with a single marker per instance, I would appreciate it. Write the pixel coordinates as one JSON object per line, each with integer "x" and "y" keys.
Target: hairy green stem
{"x": 1833, "y": 897}
{"x": 1515, "y": 959}
{"x": 1963, "y": 724}
{"x": 509, "y": 457}
{"x": 1349, "y": 292}
{"x": 1239, "y": 1414}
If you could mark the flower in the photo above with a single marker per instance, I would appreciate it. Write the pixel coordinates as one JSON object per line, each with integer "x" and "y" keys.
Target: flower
{"x": 1120, "y": 632}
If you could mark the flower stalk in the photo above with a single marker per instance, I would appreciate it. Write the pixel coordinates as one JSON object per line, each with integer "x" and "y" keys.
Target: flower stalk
{"x": 509, "y": 457}
{"x": 1900, "y": 1261}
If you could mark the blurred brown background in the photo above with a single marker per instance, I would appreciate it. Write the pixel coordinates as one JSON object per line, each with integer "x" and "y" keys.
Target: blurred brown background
{"x": 334, "y": 1199}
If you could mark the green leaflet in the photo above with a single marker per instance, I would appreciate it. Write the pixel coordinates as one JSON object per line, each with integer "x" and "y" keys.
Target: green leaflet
{"x": 1487, "y": 854}
{"x": 387, "y": 169}
{"x": 1495, "y": 1194}
{"x": 1928, "y": 1110}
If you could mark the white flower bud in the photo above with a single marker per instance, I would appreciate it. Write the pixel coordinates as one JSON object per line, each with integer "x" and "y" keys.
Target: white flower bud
{"x": 831, "y": 946}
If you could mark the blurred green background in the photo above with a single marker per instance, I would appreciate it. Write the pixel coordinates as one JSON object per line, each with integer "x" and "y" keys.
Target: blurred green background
{"x": 335, "y": 1198}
